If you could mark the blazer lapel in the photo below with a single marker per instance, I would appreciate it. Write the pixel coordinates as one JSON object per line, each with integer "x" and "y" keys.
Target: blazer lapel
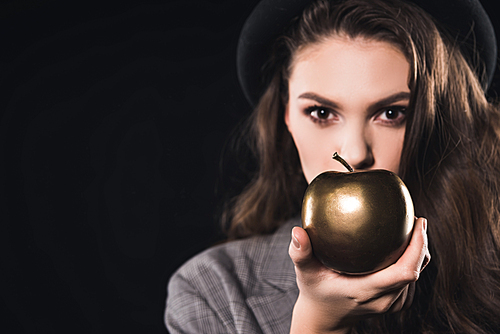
{"x": 273, "y": 304}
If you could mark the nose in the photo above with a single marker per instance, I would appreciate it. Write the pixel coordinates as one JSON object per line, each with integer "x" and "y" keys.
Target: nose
{"x": 356, "y": 149}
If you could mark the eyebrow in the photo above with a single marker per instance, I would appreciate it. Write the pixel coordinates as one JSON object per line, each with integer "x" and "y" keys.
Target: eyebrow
{"x": 383, "y": 102}
{"x": 319, "y": 99}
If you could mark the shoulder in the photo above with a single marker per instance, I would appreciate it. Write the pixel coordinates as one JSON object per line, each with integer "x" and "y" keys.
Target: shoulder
{"x": 219, "y": 284}
{"x": 239, "y": 260}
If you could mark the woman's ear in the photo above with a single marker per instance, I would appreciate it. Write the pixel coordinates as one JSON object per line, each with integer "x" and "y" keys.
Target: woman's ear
{"x": 287, "y": 116}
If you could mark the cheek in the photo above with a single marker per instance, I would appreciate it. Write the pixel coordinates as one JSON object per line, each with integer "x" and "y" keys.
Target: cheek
{"x": 388, "y": 150}
{"x": 310, "y": 159}
{"x": 314, "y": 148}
{"x": 309, "y": 151}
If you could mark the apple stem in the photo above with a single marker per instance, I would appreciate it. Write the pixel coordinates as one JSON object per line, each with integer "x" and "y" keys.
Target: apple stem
{"x": 337, "y": 157}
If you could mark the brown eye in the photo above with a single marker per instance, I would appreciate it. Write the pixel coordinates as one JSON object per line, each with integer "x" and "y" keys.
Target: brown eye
{"x": 319, "y": 113}
{"x": 391, "y": 114}
{"x": 322, "y": 113}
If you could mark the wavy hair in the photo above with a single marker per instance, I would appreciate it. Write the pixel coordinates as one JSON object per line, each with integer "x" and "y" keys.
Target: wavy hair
{"x": 450, "y": 162}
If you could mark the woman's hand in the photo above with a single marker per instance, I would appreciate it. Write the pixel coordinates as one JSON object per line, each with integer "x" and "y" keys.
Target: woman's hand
{"x": 329, "y": 302}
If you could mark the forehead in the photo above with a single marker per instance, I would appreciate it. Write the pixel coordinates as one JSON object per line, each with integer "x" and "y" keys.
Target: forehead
{"x": 341, "y": 64}
{"x": 342, "y": 40}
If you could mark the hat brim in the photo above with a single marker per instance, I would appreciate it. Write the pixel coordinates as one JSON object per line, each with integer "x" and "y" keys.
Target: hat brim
{"x": 270, "y": 17}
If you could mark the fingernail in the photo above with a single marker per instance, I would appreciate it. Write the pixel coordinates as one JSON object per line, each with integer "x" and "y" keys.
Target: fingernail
{"x": 426, "y": 261}
{"x": 295, "y": 242}
{"x": 424, "y": 225}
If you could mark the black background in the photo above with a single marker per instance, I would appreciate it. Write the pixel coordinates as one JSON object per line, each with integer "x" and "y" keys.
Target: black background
{"x": 114, "y": 115}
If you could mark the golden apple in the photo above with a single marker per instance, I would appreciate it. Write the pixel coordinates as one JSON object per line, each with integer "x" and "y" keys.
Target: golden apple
{"x": 358, "y": 222}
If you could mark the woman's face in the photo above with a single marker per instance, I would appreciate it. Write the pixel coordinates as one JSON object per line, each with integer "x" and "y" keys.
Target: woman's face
{"x": 348, "y": 96}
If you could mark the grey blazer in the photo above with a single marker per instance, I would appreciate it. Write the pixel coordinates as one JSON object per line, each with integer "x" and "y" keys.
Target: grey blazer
{"x": 244, "y": 286}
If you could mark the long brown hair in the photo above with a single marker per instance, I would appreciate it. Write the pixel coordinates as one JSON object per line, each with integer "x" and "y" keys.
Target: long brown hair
{"x": 450, "y": 162}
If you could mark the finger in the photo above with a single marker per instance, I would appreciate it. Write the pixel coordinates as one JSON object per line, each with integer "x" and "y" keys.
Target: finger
{"x": 407, "y": 269}
{"x": 426, "y": 261}
{"x": 389, "y": 302}
{"x": 409, "y": 297}
{"x": 404, "y": 300}
{"x": 414, "y": 255}
{"x": 300, "y": 251}
{"x": 399, "y": 303}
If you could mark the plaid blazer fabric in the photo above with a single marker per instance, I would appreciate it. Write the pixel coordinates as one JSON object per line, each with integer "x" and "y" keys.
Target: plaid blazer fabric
{"x": 243, "y": 286}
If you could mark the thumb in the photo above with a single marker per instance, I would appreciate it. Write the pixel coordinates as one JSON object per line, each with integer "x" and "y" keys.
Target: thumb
{"x": 300, "y": 250}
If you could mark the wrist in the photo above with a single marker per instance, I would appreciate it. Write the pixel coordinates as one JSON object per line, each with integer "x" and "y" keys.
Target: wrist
{"x": 312, "y": 317}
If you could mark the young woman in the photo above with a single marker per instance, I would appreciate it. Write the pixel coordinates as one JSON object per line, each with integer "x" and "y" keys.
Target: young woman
{"x": 387, "y": 87}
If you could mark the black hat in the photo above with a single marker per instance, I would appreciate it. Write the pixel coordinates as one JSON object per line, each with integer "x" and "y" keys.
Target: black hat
{"x": 270, "y": 17}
